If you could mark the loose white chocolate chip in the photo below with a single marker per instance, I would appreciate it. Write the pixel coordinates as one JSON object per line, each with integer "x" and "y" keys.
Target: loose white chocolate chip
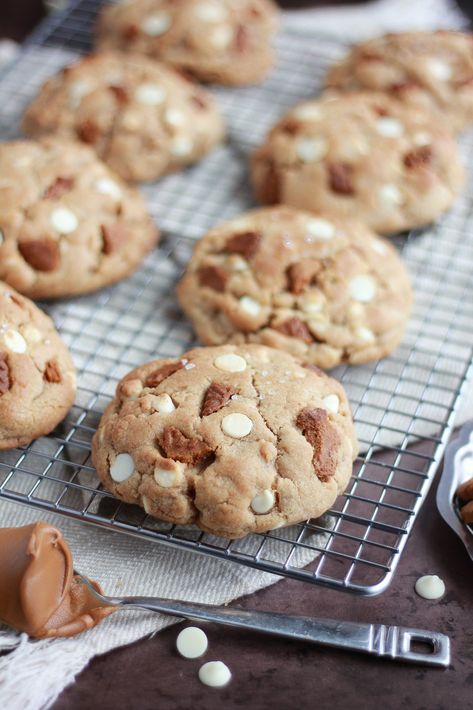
{"x": 64, "y": 221}
{"x": 181, "y": 147}
{"x": 163, "y": 403}
{"x": 250, "y": 306}
{"x": 108, "y": 187}
{"x": 430, "y": 587}
{"x": 390, "y": 195}
{"x": 310, "y": 112}
{"x": 173, "y": 117}
{"x": 439, "y": 69}
{"x": 150, "y": 94}
{"x": 263, "y": 502}
{"x": 192, "y": 642}
{"x": 122, "y": 468}
{"x": 332, "y": 403}
{"x": 236, "y": 425}
{"x": 321, "y": 229}
{"x": 14, "y": 341}
{"x": 165, "y": 478}
{"x": 221, "y": 37}
{"x": 155, "y": 25}
{"x": 31, "y": 334}
{"x": 389, "y": 127}
{"x": 215, "y": 674}
{"x": 365, "y": 335}
{"x": 230, "y": 363}
{"x": 210, "y": 12}
{"x": 310, "y": 150}
{"x": 362, "y": 288}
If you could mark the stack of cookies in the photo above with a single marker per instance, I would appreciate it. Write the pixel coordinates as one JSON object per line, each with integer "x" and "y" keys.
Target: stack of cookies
{"x": 247, "y": 433}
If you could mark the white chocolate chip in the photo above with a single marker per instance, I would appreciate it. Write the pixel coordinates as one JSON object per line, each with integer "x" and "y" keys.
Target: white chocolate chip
{"x": 389, "y": 127}
{"x": 362, "y": 288}
{"x": 422, "y": 138}
{"x": 122, "y": 468}
{"x": 236, "y": 425}
{"x": 379, "y": 246}
{"x": 77, "y": 90}
{"x": 215, "y": 674}
{"x": 230, "y": 362}
{"x": 309, "y": 112}
{"x": 173, "y": 117}
{"x": 365, "y": 335}
{"x": 430, "y": 586}
{"x": 239, "y": 264}
{"x": 250, "y": 306}
{"x": 321, "y": 229}
{"x": 14, "y": 341}
{"x": 192, "y": 642}
{"x": 210, "y": 12}
{"x": 312, "y": 303}
{"x": 181, "y": 146}
{"x": 64, "y": 220}
{"x": 155, "y": 25}
{"x": 32, "y": 334}
{"x": 108, "y": 187}
{"x": 221, "y": 36}
{"x": 439, "y": 69}
{"x": 332, "y": 403}
{"x": 150, "y": 94}
{"x": 165, "y": 478}
{"x": 390, "y": 195}
{"x": 263, "y": 502}
{"x": 163, "y": 403}
{"x": 310, "y": 150}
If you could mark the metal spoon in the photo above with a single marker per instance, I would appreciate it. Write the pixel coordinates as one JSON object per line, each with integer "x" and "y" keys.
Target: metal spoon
{"x": 394, "y": 642}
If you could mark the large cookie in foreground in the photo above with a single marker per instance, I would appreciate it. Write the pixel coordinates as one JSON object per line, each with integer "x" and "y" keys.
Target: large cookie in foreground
{"x": 224, "y": 41}
{"x": 323, "y": 288}
{"x": 433, "y": 70}
{"x": 68, "y": 224}
{"x": 233, "y": 439}
{"x": 361, "y": 155}
{"x": 37, "y": 375}
{"x": 141, "y": 117}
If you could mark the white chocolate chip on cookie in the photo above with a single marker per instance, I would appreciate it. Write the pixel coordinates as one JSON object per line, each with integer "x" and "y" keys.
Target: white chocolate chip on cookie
{"x": 332, "y": 403}
{"x": 236, "y": 425}
{"x": 310, "y": 150}
{"x": 156, "y": 25}
{"x": 163, "y": 403}
{"x": 64, "y": 220}
{"x": 250, "y": 306}
{"x": 263, "y": 502}
{"x": 150, "y": 94}
{"x": 320, "y": 229}
{"x": 122, "y": 468}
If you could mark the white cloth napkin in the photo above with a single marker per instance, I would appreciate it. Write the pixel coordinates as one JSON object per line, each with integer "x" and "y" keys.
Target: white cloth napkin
{"x": 33, "y": 673}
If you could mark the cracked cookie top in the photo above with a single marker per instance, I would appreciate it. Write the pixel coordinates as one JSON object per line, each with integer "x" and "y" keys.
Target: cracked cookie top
{"x": 225, "y": 41}
{"x": 37, "y": 375}
{"x": 68, "y": 225}
{"x": 433, "y": 70}
{"x": 362, "y": 155}
{"x": 323, "y": 288}
{"x": 234, "y": 439}
{"x": 141, "y": 117}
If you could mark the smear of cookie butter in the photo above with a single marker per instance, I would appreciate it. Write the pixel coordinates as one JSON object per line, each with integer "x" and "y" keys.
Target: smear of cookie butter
{"x": 39, "y": 593}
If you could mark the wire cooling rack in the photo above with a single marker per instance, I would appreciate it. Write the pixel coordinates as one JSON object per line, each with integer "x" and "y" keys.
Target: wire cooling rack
{"x": 403, "y": 405}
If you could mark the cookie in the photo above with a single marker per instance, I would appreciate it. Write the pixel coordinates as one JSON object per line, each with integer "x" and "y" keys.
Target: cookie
{"x": 235, "y": 439}
{"x": 323, "y": 288}
{"x": 360, "y": 155}
{"x": 223, "y": 41}
{"x": 142, "y": 118}
{"x": 68, "y": 224}
{"x": 433, "y": 70}
{"x": 37, "y": 375}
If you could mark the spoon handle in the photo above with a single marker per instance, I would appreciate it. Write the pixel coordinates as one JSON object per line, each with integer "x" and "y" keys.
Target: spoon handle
{"x": 394, "y": 642}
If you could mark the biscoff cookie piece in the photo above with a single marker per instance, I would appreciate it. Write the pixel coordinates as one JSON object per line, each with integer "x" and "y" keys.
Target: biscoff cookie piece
{"x": 141, "y": 117}
{"x": 235, "y": 439}
{"x": 223, "y": 41}
{"x": 361, "y": 155}
{"x": 433, "y": 70}
{"x": 325, "y": 289}
{"x": 68, "y": 224}
{"x": 37, "y": 375}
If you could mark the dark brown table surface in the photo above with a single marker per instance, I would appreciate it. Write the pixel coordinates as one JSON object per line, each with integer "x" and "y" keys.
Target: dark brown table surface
{"x": 274, "y": 673}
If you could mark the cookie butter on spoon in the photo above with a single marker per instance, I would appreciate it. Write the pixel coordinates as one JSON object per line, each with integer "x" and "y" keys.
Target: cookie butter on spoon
{"x": 39, "y": 592}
